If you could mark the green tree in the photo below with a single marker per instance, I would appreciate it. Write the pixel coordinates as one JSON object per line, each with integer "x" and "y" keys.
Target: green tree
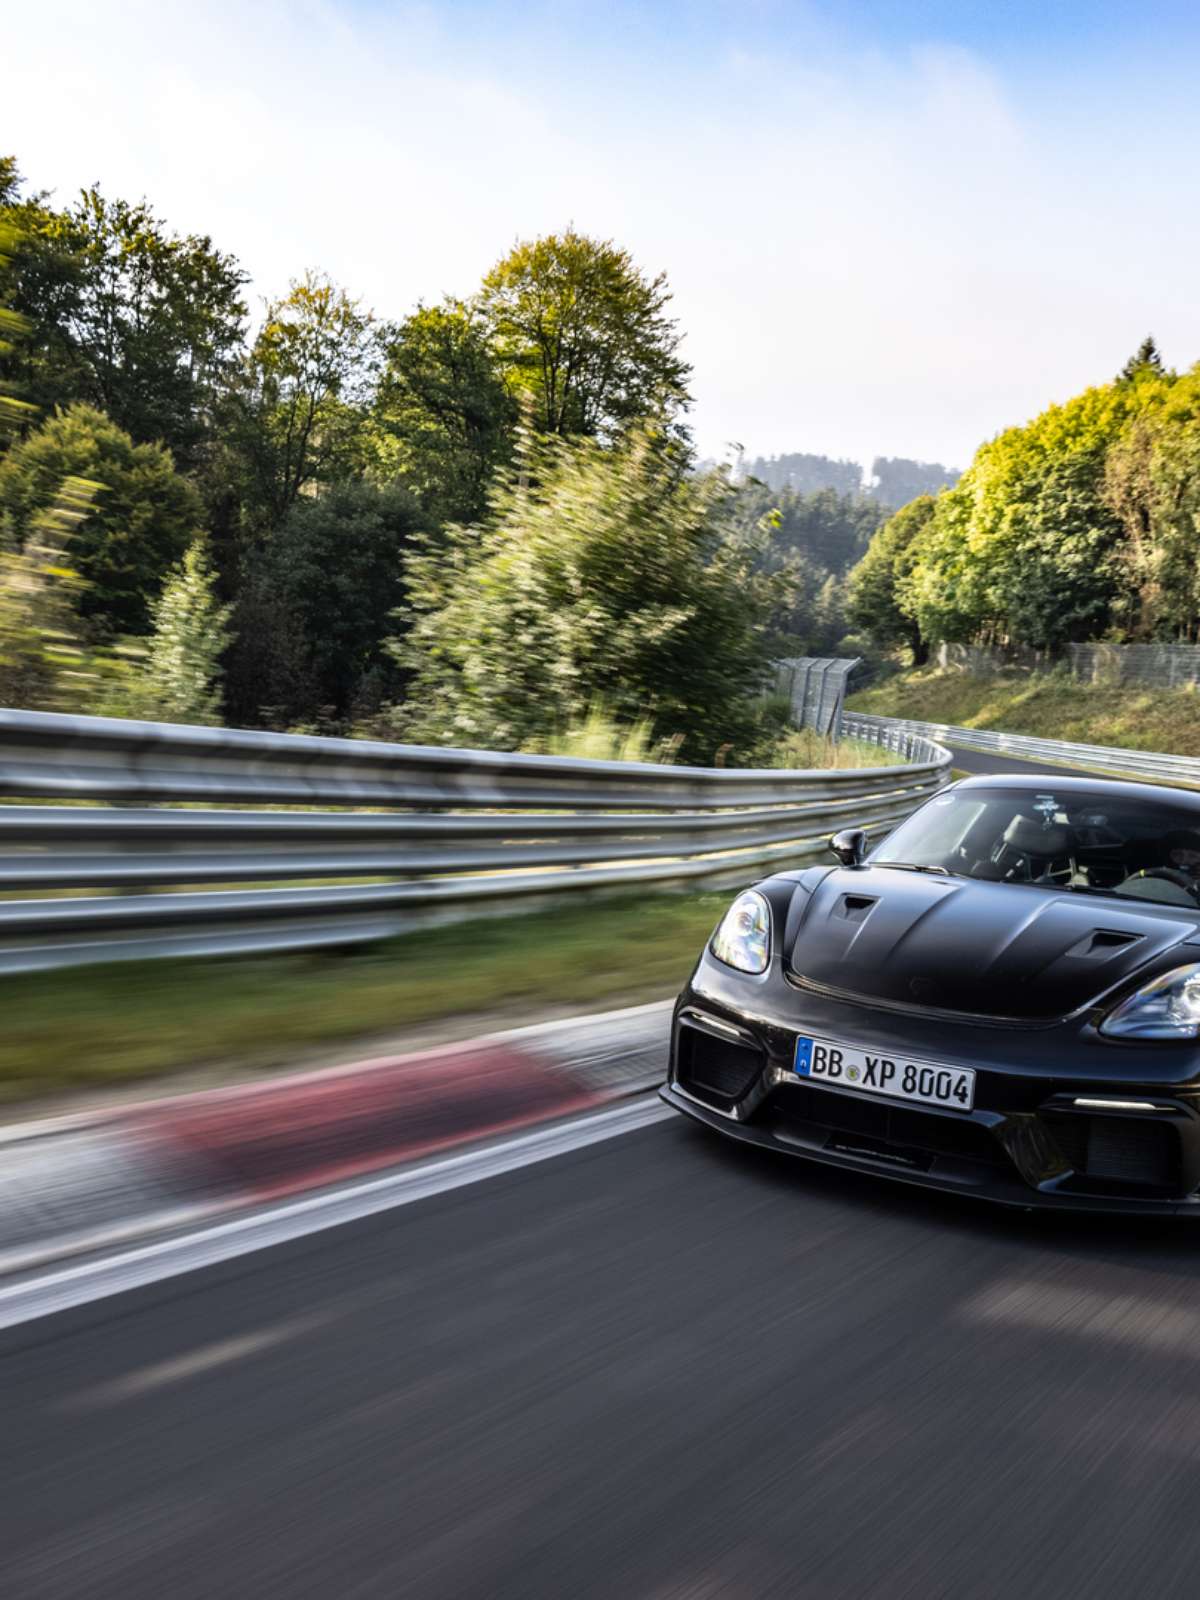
{"x": 443, "y": 412}
{"x": 40, "y": 273}
{"x": 324, "y": 591}
{"x": 1025, "y": 547}
{"x": 142, "y": 519}
{"x": 126, "y": 316}
{"x": 810, "y": 541}
{"x": 10, "y": 180}
{"x": 1145, "y": 358}
{"x": 1152, "y": 485}
{"x": 182, "y": 681}
{"x": 43, "y": 663}
{"x": 876, "y": 599}
{"x": 601, "y": 576}
{"x": 580, "y": 330}
{"x": 16, "y": 412}
{"x": 298, "y": 418}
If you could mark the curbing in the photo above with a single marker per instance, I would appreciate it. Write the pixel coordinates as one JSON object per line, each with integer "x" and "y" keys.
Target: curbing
{"x": 80, "y": 1184}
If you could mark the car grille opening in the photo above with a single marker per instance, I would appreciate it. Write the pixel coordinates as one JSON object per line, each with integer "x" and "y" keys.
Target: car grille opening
{"x": 913, "y": 1138}
{"x": 1109, "y": 1151}
{"x": 720, "y": 1071}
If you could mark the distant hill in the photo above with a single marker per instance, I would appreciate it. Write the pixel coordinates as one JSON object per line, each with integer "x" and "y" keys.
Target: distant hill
{"x": 805, "y": 474}
{"x": 894, "y": 480}
{"x": 898, "y": 480}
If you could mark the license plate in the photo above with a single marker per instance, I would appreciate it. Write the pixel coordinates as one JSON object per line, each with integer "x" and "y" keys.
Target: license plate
{"x": 845, "y": 1066}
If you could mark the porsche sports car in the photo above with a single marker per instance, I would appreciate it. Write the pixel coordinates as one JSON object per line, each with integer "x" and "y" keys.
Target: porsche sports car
{"x": 1001, "y": 999}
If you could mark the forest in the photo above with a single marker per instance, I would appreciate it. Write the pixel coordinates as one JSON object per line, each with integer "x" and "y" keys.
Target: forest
{"x": 479, "y": 522}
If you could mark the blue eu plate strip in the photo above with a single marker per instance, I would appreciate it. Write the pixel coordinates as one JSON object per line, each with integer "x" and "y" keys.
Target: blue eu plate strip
{"x": 803, "y": 1056}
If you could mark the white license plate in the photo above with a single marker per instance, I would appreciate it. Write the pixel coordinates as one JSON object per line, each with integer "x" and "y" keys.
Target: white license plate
{"x": 845, "y": 1066}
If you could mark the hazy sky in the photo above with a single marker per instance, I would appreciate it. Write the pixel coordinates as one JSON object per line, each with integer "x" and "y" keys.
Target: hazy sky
{"x": 890, "y": 227}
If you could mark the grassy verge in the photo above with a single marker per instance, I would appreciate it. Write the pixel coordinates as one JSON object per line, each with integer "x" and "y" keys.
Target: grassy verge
{"x": 804, "y": 748}
{"x": 1046, "y": 705}
{"x": 105, "y": 1025}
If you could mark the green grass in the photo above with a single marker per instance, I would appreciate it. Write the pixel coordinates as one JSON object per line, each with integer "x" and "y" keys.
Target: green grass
{"x": 1047, "y": 705}
{"x": 93, "y": 1026}
{"x": 804, "y": 748}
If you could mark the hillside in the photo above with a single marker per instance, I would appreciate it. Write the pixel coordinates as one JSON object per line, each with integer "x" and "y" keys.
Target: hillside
{"x": 1047, "y": 705}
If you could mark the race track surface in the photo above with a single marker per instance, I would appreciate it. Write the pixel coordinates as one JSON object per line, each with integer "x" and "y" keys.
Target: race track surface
{"x": 979, "y": 761}
{"x": 661, "y": 1368}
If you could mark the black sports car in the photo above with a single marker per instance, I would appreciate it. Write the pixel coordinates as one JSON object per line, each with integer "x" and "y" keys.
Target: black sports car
{"x": 1002, "y": 999}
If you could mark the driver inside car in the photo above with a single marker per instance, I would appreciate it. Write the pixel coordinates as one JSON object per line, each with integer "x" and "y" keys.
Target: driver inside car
{"x": 1177, "y": 882}
{"x": 1183, "y": 852}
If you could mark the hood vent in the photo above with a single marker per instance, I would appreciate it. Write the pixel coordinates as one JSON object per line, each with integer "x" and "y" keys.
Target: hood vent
{"x": 856, "y": 907}
{"x": 1102, "y": 942}
{"x": 991, "y": 949}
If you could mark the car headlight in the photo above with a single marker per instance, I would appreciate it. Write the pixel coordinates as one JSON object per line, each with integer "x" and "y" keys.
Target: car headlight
{"x": 743, "y": 939}
{"x": 1167, "y": 1007}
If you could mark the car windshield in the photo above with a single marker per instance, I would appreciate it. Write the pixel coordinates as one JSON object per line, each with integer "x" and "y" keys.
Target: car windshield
{"x": 1073, "y": 840}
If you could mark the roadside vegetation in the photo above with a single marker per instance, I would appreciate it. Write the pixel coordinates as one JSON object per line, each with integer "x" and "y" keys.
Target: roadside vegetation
{"x": 1083, "y": 524}
{"x": 136, "y": 1021}
{"x": 466, "y": 522}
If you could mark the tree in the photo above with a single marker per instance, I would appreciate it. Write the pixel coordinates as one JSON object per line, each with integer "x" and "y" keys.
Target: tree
{"x": 142, "y": 519}
{"x": 876, "y": 602}
{"x": 10, "y": 180}
{"x": 806, "y": 542}
{"x": 443, "y": 410}
{"x": 37, "y": 277}
{"x": 830, "y": 529}
{"x": 329, "y": 583}
{"x": 139, "y": 322}
{"x": 302, "y": 402}
{"x": 1025, "y": 547}
{"x": 267, "y": 678}
{"x": 578, "y": 328}
{"x": 1145, "y": 357}
{"x": 182, "y": 680}
{"x": 15, "y": 411}
{"x": 42, "y": 659}
{"x": 1152, "y": 486}
{"x": 601, "y": 576}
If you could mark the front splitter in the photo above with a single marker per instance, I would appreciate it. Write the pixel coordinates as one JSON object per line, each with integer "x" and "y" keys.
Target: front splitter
{"x": 1002, "y": 1190}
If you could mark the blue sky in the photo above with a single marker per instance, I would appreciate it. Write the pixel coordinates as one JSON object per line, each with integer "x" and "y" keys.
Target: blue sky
{"x": 890, "y": 227}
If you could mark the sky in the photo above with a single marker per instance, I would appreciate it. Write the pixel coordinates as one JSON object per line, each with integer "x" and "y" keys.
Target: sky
{"x": 890, "y": 227}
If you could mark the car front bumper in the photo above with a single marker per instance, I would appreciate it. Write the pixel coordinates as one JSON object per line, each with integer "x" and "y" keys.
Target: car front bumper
{"x": 1027, "y": 1142}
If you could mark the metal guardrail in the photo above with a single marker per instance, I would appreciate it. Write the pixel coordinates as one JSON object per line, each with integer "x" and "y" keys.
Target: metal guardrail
{"x": 453, "y": 832}
{"x": 893, "y": 732}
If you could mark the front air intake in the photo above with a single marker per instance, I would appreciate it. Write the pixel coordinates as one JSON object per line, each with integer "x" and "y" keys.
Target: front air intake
{"x": 1109, "y": 1151}
{"x": 720, "y": 1071}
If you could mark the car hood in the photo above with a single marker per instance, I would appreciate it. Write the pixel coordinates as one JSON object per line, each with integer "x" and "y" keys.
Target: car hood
{"x": 985, "y": 949}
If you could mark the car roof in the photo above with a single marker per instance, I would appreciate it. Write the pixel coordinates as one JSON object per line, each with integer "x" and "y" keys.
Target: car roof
{"x": 1044, "y": 783}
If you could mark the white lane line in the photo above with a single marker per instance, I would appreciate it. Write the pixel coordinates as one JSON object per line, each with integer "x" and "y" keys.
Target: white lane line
{"x": 192, "y": 1364}
{"x": 97, "y": 1280}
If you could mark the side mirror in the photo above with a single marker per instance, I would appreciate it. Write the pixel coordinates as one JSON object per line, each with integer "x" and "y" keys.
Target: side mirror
{"x": 850, "y": 847}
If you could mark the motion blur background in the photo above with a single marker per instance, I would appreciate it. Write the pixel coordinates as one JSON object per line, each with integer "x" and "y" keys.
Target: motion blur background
{"x": 539, "y": 384}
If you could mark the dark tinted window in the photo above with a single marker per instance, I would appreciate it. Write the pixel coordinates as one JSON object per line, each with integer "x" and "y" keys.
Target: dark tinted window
{"x": 1064, "y": 839}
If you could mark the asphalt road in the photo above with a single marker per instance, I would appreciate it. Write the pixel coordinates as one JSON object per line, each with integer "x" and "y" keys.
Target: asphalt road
{"x": 662, "y": 1368}
{"x": 979, "y": 761}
